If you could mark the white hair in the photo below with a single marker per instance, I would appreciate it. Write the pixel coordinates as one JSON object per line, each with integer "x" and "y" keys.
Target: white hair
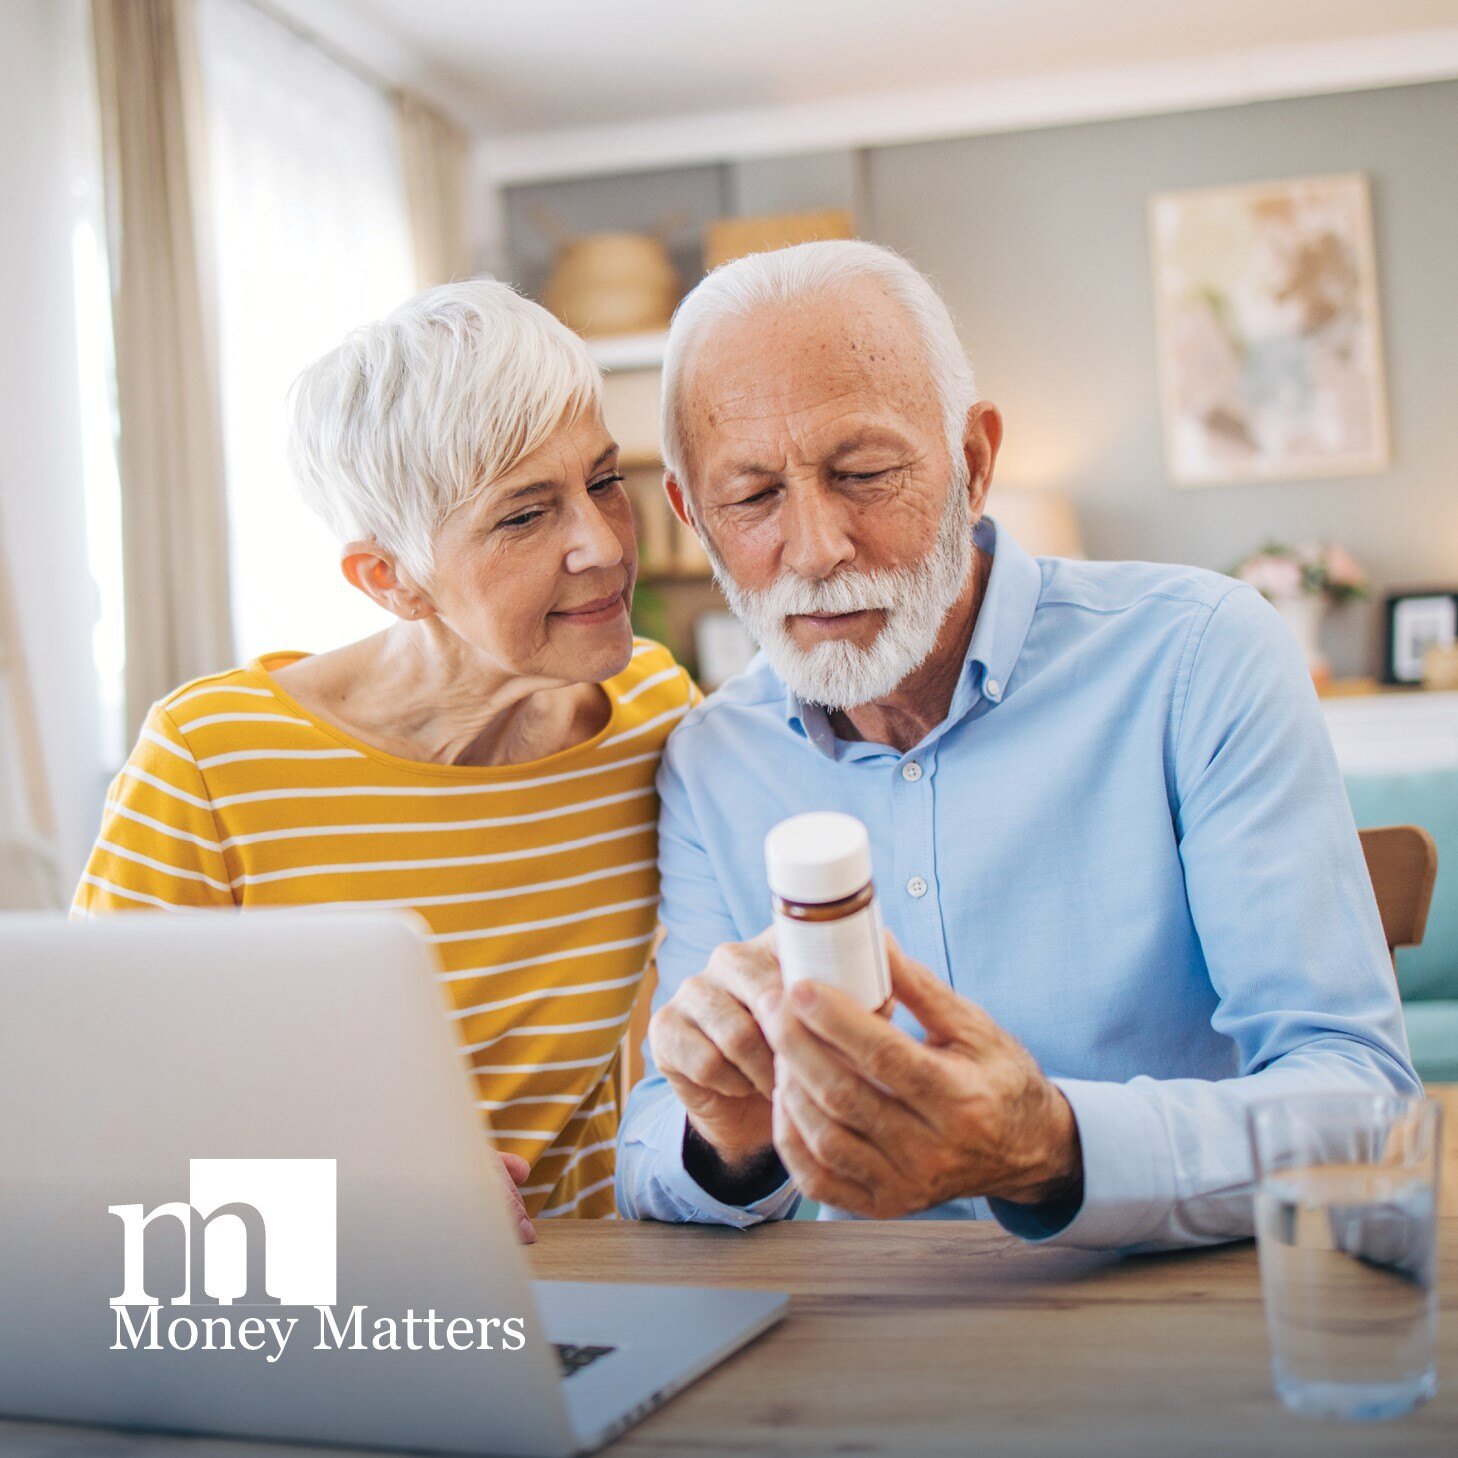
{"x": 412, "y": 415}
{"x": 792, "y": 276}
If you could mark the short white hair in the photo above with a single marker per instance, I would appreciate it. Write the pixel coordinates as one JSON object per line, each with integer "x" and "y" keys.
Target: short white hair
{"x": 414, "y": 414}
{"x": 791, "y": 276}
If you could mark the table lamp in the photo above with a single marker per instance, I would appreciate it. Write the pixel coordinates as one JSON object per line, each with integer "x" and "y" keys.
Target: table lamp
{"x": 1043, "y": 522}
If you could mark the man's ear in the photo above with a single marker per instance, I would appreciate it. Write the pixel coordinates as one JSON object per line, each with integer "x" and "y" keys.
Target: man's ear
{"x": 981, "y": 441}
{"x": 369, "y": 567}
{"x": 677, "y": 501}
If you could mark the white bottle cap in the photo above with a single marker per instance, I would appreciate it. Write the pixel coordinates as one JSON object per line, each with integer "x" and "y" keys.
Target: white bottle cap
{"x": 820, "y": 857}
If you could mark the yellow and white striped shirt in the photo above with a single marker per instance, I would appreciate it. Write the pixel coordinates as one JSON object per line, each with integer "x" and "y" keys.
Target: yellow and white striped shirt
{"x": 539, "y": 881}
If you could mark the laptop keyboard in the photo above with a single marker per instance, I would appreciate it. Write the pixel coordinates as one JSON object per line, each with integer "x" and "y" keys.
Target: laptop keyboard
{"x": 574, "y": 1359}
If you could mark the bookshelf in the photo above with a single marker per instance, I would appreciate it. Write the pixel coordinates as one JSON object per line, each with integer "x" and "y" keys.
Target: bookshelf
{"x": 675, "y": 584}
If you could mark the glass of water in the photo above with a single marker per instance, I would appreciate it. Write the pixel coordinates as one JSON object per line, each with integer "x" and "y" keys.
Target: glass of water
{"x": 1346, "y": 1223}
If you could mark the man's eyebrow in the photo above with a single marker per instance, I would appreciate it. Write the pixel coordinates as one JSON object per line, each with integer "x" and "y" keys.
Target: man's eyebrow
{"x": 533, "y": 487}
{"x": 868, "y": 439}
{"x": 749, "y": 468}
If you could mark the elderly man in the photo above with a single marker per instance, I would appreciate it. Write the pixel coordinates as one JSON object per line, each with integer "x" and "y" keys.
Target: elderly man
{"x": 1108, "y": 829}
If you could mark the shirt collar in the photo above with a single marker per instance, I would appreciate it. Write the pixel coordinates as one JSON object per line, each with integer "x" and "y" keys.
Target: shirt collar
{"x": 1013, "y": 587}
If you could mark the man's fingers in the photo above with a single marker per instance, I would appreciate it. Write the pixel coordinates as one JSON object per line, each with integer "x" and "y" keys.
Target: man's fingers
{"x": 811, "y": 1177}
{"x": 834, "y": 1147}
{"x": 946, "y": 1016}
{"x": 881, "y": 1051}
{"x": 732, "y": 1029}
{"x": 745, "y": 969}
{"x": 682, "y": 1050}
{"x": 837, "y": 1086}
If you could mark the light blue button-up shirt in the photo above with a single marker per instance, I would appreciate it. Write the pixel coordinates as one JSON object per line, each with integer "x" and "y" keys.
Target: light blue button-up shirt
{"x": 1128, "y": 841}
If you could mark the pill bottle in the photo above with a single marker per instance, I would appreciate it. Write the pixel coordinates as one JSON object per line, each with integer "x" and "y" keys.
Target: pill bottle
{"x": 827, "y": 919}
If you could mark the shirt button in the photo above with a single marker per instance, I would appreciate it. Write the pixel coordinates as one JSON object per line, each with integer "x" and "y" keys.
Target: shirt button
{"x": 911, "y": 770}
{"x": 916, "y": 887}
{"x": 993, "y": 688}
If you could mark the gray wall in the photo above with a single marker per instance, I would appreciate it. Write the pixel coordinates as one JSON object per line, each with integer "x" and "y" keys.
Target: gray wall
{"x": 1039, "y": 241}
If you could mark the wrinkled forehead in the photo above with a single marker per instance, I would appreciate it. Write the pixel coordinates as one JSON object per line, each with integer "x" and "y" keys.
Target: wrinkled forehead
{"x": 795, "y": 377}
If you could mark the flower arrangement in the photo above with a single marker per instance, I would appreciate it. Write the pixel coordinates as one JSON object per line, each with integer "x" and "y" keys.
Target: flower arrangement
{"x": 1282, "y": 574}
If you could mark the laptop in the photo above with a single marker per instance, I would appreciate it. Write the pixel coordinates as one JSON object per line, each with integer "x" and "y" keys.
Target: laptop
{"x": 244, "y": 1190}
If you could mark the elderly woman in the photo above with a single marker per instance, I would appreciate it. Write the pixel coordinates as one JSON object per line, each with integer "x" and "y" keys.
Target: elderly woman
{"x": 487, "y": 760}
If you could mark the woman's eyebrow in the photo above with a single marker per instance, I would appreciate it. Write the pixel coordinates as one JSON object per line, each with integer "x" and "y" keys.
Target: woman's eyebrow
{"x": 530, "y": 490}
{"x": 535, "y": 486}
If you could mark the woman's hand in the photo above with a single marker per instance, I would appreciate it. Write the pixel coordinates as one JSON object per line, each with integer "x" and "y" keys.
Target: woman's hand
{"x": 515, "y": 1171}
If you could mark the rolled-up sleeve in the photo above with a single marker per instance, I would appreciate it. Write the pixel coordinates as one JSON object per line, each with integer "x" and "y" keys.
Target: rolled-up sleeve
{"x": 652, "y": 1183}
{"x": 1282, "y": 903}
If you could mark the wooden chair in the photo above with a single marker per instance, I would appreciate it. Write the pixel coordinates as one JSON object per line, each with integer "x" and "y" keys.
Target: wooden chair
{"x": 1402, "y": 861}
{"x": 630, "y": 1061}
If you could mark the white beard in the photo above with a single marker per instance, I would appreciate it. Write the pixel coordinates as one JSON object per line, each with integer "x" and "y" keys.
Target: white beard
{"x": 915, "y": 601}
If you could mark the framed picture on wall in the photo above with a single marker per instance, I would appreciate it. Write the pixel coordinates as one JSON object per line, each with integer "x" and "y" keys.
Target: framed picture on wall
{"x": 1269, "y": 345}
{"x": 1417, "y": 621}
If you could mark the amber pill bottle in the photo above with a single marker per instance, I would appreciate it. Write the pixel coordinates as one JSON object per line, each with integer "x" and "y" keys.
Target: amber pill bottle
{"x": 827, "y": 919}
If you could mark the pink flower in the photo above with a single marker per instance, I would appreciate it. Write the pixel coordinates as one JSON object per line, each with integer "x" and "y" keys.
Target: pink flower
{"x": 1342, "y": 570}
{"x": 1276, "y": 578}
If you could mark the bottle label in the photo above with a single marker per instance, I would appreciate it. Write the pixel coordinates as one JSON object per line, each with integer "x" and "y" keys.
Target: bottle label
{"x": 849, "y": 954}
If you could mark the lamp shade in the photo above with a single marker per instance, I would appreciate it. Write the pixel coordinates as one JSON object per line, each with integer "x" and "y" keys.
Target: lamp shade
{"x": 1043, "y": 522}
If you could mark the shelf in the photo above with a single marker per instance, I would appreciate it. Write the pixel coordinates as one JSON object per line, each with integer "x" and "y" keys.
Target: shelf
{"x": 1361, "y": 688}
{"x": 628, "y": 351}
{"x": 1404, "y": 731}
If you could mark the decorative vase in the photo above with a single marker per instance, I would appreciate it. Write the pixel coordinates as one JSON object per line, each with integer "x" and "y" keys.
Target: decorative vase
{"x": 1304, "y": 616}
{"x": 613, "y": 283}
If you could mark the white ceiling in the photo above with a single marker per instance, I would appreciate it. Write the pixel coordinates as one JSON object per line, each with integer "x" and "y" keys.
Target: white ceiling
{"x": 507, "y": 67}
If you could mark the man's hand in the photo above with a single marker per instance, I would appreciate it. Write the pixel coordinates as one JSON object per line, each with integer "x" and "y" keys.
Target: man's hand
{"x": 868, "y": 1119}
{"x": 709, "y": 1047}
{"x": 515, "y": 1171}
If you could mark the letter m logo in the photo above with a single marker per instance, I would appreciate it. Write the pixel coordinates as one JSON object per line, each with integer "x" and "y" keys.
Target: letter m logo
{"x": 257, "y": 1232}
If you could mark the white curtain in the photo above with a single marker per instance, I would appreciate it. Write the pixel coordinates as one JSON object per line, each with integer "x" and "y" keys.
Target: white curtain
{"x": 312, "y": 239}
{"x": 168, "y": 449}
{"x": 436, "y": 154}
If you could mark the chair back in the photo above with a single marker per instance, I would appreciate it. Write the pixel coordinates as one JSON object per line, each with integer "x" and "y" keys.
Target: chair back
{"x": 1402, "y": 861}
{"x": 630, "y": 1060}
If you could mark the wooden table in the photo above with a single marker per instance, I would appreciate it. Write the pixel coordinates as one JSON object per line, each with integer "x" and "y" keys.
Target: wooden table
{"x": 949, "y": 1339}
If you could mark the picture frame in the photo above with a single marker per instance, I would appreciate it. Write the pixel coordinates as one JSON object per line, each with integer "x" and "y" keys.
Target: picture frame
{"x": 1268, "y": 335}
{"x": 1417, "y": 621}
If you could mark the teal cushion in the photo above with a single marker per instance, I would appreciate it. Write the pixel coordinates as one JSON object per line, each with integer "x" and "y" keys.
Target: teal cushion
{"x": 1428, "y": 798}
{"x": 1432, "y": 1033}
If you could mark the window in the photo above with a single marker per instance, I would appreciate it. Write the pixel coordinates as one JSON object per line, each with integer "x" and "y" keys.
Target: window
{"x": 311, "y": 238}
{"x": 96, "y": 380}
